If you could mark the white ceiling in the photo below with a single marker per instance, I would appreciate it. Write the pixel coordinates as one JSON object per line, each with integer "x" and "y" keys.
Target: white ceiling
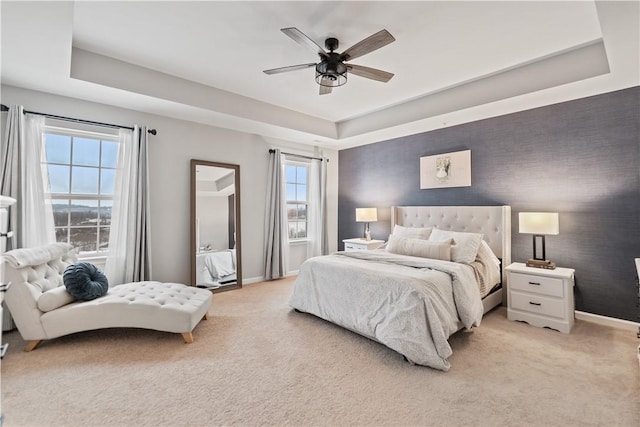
{"x": 202, "y": 61}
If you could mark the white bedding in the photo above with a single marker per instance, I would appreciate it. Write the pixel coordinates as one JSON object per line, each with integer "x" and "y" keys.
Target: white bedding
{"x": 215, "y": 266}
{"x": 412, "y": 305}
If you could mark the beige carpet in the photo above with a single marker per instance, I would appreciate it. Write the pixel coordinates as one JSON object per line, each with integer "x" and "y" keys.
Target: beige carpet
{"x": 255, "y": 362}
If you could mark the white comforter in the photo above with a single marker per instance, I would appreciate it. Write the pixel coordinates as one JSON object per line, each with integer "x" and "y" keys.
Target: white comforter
{"x": 411, "y": 305}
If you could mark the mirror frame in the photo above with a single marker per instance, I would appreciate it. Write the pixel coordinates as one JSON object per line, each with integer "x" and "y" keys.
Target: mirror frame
{"x": 194, "y": 164}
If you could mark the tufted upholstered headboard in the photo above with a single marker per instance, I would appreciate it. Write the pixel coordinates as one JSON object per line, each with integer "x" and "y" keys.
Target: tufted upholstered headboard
{"x": 494, "y": 222}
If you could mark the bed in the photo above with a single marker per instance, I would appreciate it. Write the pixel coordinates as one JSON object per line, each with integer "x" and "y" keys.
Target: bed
{"x": 215, "y": 268}
{"x": 413, "y": 304}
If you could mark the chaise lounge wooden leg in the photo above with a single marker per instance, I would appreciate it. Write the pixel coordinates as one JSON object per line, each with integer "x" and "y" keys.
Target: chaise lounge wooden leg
{"x": 206, "y": 316}
{"x": 188, "y": 337}
{"x": 32, "y": 345}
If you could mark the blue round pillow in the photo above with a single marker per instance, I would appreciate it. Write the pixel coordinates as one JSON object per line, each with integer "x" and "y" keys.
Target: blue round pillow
{"x": 85, "y": 281}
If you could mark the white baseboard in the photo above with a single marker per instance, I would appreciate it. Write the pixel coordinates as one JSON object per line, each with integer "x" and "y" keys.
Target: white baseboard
{"x": 252, "y": 280}
{"x": 262, "y": 279}
{"x": 608, "y": 321}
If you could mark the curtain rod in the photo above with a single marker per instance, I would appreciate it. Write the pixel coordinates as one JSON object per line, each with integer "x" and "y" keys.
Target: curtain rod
{"x": 71, "y": 119}
{"x": 271, "y": 150}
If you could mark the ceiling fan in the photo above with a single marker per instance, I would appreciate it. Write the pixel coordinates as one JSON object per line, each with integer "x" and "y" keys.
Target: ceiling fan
{"x": 331, "y": 71}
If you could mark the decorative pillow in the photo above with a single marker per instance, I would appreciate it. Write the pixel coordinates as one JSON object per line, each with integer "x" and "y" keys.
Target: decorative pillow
{"x": 419, "y": 248}
{"x": 85, "y": 281}
{"x": 486, "y": 255}
{"x": 54, "y": 298}
{"x": 411, "y": 232}
{"x": 490, "y": 260}
{"x": 465, "y": 245}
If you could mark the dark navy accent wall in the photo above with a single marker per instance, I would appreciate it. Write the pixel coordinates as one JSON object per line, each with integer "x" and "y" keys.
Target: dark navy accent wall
{"x": 579, "y": 158}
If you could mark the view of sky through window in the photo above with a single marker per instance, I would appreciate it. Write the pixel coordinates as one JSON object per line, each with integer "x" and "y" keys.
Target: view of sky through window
{"x": 81, "y": 178}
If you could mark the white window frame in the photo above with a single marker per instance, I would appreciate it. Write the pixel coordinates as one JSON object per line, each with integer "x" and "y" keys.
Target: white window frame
{"x": 81, "y": 131}
{"x": 298, "y": 163}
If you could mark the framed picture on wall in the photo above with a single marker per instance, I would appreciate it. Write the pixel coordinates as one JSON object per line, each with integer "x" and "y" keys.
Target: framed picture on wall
{"x": 446, "y": 170}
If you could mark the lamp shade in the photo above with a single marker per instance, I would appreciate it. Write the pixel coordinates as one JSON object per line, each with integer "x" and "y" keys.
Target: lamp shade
{"x": 366, "y": 214}
{"x": 538, "y": 223}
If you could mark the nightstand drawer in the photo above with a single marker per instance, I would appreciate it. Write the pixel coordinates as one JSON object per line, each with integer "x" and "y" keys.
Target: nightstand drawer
{"x": 361, "y": 244}
{"x": 354, "y": 247}
{"x": 537, "y": 284}
{"x": 537, "y": 304}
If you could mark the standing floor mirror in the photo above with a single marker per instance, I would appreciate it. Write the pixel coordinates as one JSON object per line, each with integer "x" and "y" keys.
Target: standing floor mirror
{"x": 216, "y": 255}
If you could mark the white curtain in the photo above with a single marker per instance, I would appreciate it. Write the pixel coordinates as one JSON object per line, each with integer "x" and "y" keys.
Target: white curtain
{"x": 129, "y": 257}
{"x": 25, "y": 178}
{"x": 276, "y": 226}
{"x": 317, "y": 220}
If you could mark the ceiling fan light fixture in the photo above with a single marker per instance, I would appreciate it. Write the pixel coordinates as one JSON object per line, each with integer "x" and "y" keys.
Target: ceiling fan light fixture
{"x": 331, "y": 74}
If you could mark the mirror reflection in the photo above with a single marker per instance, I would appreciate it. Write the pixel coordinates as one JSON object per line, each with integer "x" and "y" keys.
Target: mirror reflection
{"x": 215, "y": 224}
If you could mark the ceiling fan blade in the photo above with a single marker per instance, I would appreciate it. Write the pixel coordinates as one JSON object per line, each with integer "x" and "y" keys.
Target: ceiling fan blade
{"x": 301, "y": 38}
{"x": 371, "y": 43}
{"x": 289, "y": 68}
{"x": 369, "y": 73}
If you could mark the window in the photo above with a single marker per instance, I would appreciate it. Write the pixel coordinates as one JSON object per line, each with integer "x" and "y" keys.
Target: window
{"x": 81, "y": 168}
{"x": 296, "y": 175}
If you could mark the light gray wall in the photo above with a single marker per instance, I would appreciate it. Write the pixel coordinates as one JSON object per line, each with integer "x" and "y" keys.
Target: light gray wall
{"x": 213, "y": 214}
{"x": 170, "y": 152}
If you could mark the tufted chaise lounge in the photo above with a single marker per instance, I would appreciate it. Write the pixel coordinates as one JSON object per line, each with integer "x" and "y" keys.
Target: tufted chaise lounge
{"x": 42, "y": 309}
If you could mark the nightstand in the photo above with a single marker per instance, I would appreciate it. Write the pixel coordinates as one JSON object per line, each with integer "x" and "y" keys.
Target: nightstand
{"x": 541, "y": 297}
{"x": 361, "y": 244}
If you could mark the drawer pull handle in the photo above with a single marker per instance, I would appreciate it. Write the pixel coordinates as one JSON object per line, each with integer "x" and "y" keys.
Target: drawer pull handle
{"x": 534, "y": 303}
{"x": 534, "y": 283}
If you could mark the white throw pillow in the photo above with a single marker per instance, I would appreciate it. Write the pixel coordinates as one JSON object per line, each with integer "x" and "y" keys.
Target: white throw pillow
{"x": 54, "y": 298}
{"x": 419, "y": 248}
{"x": 465, "y": 245}
{"x": 412, "y": 232}
{"x": 491, "y": 261}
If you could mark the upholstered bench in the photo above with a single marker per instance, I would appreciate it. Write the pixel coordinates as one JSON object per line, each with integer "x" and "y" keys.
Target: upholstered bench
{"x": 42, "y": 309}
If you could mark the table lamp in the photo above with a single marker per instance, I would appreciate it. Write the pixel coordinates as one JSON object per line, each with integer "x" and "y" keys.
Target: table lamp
{"x": 539, "y": 224}
{"x": 366, "y": 215}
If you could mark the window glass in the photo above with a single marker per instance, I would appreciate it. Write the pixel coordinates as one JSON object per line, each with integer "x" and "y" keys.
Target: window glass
{"x": 109, "y": 156}
{"x": 84, "y": 212}
{"x": 86, "y": 152}
{"x": 58, "y": 148}
{"x": 297, "y": 199}
{"x": 291, "y": 192}
{"x": 104, "y": 212}
{"x": 301, "y": 193}
{"x": 84, "y": 180}
{"x": 82, "y": 173}
{"x": 58, "y": 178}
{"x": 60, "y": 212}
{"x": 107, "y": 181}
{"x": 301, "y": 174}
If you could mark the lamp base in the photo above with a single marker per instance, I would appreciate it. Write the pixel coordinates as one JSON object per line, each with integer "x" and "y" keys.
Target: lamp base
{"x": 541, "y": 263}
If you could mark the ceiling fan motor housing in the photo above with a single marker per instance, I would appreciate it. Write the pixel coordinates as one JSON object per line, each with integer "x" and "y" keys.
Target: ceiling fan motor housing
{"x": 331, "y": 71}
{"x": 331, "y": 44}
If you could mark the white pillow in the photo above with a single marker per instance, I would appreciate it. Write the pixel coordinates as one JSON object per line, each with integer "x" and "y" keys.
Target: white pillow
{"x": 412, "y": 232}
{"x": 54, "y": 298}
{"x": 486, "y": 255}
{"x": 419, "y": 248}
{"x": 488, "y": 258}
{"x": 465, "y": 245}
